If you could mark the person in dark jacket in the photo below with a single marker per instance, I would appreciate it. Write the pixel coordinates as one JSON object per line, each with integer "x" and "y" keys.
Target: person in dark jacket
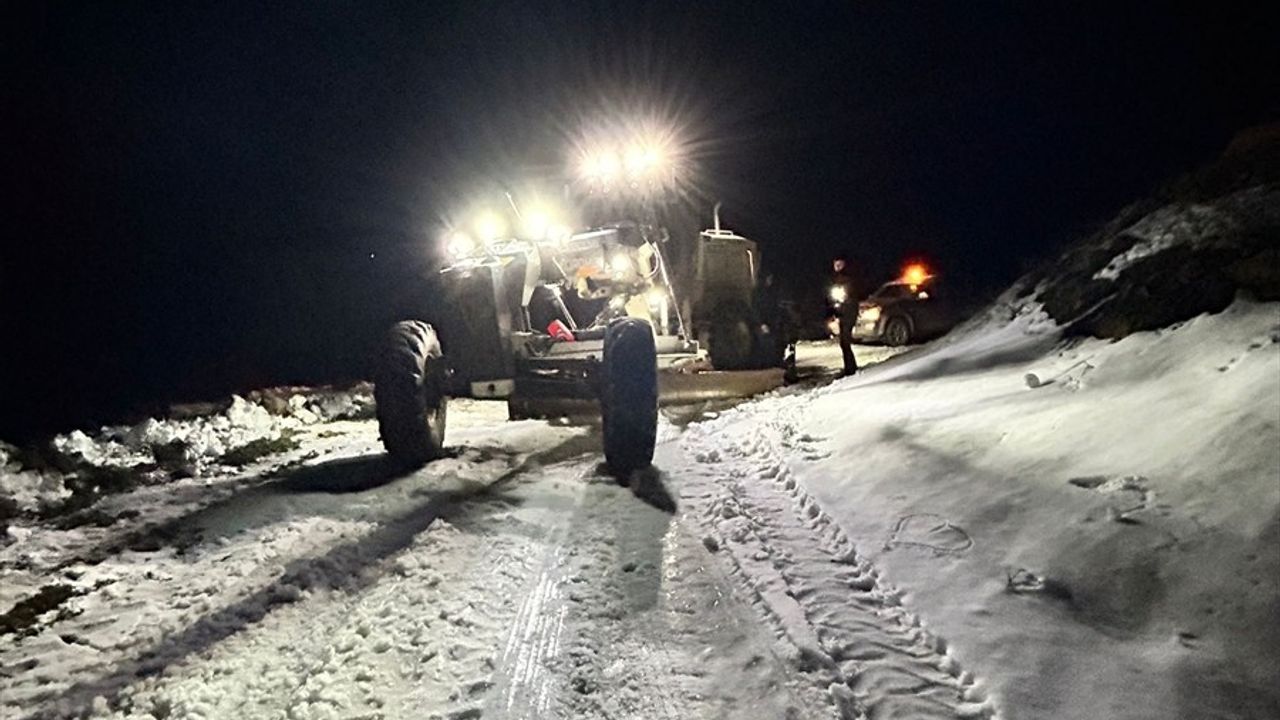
{"x": 845, "y": 292}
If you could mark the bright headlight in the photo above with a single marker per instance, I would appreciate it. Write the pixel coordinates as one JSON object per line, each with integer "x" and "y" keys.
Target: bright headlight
{"x": 869, "y": 313}
{"x": 559, "y": 233}
{"x": 636, "y": 160}
{"x": 490, "y": 226}
{"x": 636, "y": 155}
{"x": 459, "y": 244}
{"x": 620, "y": 263}
{"x": 536, "y": 225}
{"x": 600, "y": 165}
{"x": 838, "y": 294}
{"x": 642, "y": 159}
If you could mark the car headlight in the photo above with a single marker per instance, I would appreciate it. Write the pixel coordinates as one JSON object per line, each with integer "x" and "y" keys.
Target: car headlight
{"x": 838, "y": 294}
{"x": 869, "y": 313}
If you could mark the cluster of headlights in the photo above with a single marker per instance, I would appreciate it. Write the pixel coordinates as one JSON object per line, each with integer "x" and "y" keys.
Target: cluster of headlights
{"x": 537, "y": 224}
{"x": 646, "y": 161}
{"x": 642, "y": 161}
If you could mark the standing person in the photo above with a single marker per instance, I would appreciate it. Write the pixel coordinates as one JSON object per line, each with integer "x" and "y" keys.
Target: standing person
{"x": 845, "y": 291}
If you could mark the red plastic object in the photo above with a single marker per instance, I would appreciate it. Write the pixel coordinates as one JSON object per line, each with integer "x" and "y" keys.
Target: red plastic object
{"x": 560, "y": 331}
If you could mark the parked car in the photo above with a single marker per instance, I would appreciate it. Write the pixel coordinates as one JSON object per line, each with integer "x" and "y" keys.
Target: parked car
{"x": 904, "y": 311}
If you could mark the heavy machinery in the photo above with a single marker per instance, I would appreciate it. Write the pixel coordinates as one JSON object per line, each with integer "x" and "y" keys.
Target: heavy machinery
{"x": 724, "y": 304}
{"x": 564, "y": 323}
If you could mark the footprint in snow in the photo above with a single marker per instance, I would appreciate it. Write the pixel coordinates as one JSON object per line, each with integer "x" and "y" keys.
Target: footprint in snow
{"x": 1023, "y": 582}
{"x": 1130, "y": 493}
{"x": 1257, "y": 343}
{"x": 810, "y": 447}
{"x": 931, "y": 532}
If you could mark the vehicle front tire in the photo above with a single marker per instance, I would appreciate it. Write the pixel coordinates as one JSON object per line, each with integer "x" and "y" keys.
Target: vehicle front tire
{"x": 897, "y": 332}
{"x": 732, "y": 340}
{"x": 409, "y": 394}
{"x": 629, "y": 396}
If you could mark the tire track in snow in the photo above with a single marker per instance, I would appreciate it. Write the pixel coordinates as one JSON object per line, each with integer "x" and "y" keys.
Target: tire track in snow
{"x": 523, "y": 687}
{"x": 281, "y": 580}
{"x": 562, "y": 656}
{"x": 612, "y": 564}
{"x": 622, "y": 619}
{"x": 847, "y": 624}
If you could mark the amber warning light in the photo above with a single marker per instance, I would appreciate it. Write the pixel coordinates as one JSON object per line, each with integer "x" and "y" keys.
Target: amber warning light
{"x": 914, "y": 274}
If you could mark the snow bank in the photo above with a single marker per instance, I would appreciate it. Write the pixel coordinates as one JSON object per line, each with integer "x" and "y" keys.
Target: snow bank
{"x": 203, "y": 438}
{"x": 1099, "y": 542}
{"x": 26, "y": 490}
{"x": 156, "y": 448}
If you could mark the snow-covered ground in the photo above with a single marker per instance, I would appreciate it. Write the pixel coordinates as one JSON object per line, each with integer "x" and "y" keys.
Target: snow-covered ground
{"x": 822, "y": 358}
{"x": 1093, "y": 528}
{"x": 514, "y": 579}
{"x": 1002, "y": 524}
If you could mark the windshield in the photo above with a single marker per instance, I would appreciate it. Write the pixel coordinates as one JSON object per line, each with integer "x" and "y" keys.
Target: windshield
{"x": 898, "y": 290}
{"x": 892, "y": 291}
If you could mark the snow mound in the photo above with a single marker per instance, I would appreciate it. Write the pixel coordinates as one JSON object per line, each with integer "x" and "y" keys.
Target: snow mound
{"x": 198, "y": 442}
{"x": 323, "y": 404}
{"x": 26, "y": 490}
{"x": 158, "y": 449}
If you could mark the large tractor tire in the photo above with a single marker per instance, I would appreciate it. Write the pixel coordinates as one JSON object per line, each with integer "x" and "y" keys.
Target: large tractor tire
{"x": 629, "y": 396}
{"x": 732, "y": 341}
{"x": 409, "y": 394}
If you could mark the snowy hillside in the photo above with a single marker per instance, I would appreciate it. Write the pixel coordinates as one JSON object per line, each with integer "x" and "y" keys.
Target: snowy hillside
{"x": 1092, "y": 527}
{"x": 1191, "y": 248}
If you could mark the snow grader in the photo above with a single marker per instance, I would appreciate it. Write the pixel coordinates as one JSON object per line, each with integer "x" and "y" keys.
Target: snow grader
{"x": 594, "y": 322}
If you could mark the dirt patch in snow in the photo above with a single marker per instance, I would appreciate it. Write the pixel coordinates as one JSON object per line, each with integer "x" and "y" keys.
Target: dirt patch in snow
{"x": 27, "y": 612}
{"x": 255, "y": 450}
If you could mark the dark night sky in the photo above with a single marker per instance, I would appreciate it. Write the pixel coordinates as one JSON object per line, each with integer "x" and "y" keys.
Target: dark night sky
{"x": 196, "y": 190}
